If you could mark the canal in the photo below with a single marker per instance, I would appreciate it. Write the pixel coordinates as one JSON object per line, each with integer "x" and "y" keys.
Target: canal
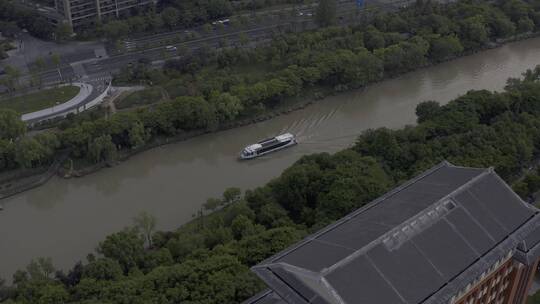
{"x": 66, "y": 219}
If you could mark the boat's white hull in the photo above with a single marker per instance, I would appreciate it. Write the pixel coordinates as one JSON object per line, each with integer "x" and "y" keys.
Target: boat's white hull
{"x": 292, "y": 143}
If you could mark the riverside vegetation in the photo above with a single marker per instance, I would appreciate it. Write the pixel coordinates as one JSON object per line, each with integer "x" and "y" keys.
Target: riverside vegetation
{"x": 209, "y": 89}
{"x": 208, "y": 259}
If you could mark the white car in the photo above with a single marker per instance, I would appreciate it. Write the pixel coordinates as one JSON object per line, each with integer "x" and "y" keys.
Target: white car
{"x": 170, "y": 48}
{"x": 224, "y": 22}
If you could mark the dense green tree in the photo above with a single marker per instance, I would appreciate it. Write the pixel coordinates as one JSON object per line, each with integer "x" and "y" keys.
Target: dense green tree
{"x": 427, "y": 110}
{"x": 29, "y": 153}
{"x": 13, "y": 75}
{"x": 40, "y": 269}
{"x": 157, "y": 258}
{"x": 355, "y": 181}
{"x": 102, "y": 149}
{"x": 11, "y": 126}
{"x": 126, "y": 247}
{"x": 473, "y": 32}
{"x": 445, "y": 47}
{"x": 7, "y": 154}
{"x": 5, "y": 291}
{"x": 104, "y": 269}
{"x": 212, "y": 204}
{"x": 56, "y": 59}
{"x": 137, "y": 24}
{"x": 170, "y": 16}
{"x": 63, "y": 32}
{"x": 184, "y": 245}
{"x": 36, "y": 284}
{"x": 255, "y": 248}
{"x": 137, "y": 135}
{"x": 503, "y": 26}
{"x": 217, "y": 235}
{"x": 297, "y": 188}
{"x": 232, "y": 195}
{"x": 242, "y": 227}
{"x": 52, "y": 294}
{"x": 228, "y": 107}
{"x": 525, "y": 25}
{"x": 516, "y": 9}
{"x": 374, "y": 39}
{"x": 146, "y": 223}
{"x": 326, "y": 13}
{"x": 115, "y": 29}
{"x": 72, "y": 278}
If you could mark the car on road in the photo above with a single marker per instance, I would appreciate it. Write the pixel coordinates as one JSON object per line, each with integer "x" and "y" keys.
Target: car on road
{"x": 171, "y": 48}
{"x": 224, "y": 22}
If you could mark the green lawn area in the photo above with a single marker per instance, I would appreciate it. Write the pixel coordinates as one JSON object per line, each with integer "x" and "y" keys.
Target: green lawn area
{"x": 140, "y": 98}
{"x": 39, "y": 100}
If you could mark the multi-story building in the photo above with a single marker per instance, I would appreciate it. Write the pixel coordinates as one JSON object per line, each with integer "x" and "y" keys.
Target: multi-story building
{"x": 452, "y": 235}
{"x": 84, "y": 12}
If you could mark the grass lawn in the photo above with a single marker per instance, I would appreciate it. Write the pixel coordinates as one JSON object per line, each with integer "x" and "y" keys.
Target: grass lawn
{"x": 140, "y": 98}
{"x": 39, "y": 100}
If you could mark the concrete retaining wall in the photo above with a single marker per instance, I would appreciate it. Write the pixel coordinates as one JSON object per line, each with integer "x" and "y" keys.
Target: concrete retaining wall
{"x": 66, "y": 108}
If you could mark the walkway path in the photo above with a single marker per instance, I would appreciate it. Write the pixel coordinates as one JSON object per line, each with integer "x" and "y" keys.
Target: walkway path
{"x": 84, "y": 93}
{"x": 120, "y": 92}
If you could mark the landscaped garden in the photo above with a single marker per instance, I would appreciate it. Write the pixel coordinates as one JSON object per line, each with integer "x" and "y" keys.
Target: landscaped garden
{"x": 39, "y": 100}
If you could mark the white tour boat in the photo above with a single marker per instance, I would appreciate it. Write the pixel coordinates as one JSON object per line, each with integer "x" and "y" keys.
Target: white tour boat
{"x": 268, "y": 145}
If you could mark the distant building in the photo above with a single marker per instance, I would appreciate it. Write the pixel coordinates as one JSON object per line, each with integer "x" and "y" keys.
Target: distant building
{"x": 452, "y": 235}
{"x": 78, "y": 13}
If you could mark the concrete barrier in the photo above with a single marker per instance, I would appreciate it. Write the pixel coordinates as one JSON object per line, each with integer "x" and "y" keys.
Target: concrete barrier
{"x": 96, "y": 101}
{"x": 73, "y": 106}
{"x": 84, "y": 91}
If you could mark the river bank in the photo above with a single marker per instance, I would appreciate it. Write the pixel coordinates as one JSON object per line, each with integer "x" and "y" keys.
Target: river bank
{"x": 58, "y": 219}
{"x": 161, "y": 141}
{"x": 82, "y": 168}
{"x": 18, "y": 181}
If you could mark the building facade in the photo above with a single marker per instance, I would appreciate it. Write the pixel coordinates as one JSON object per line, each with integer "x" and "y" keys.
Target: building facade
{"x": 507, "y": 283}
{"x": 79, "y": 13}
{"x": 452, "y": 235}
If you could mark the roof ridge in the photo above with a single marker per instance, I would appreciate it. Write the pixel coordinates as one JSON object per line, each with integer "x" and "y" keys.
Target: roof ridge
{"x": 310, "y": 275}
{"x": 530, "y": 206}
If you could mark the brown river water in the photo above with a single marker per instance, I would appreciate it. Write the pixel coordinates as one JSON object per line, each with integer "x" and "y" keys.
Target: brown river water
{"x": 66, "y": 219}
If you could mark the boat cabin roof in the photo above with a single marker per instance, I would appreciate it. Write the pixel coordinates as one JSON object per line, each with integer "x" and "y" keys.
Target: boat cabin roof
{"x": 285, "y": 136}
{"x": 253, "y": 147}
{"x": 269, "y": 141}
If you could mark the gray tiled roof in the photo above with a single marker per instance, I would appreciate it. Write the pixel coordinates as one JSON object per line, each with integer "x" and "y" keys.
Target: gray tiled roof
{"x": 420, "y": 243}
{"x": 265, "y": 297}
{"x": 528, "y": 249}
